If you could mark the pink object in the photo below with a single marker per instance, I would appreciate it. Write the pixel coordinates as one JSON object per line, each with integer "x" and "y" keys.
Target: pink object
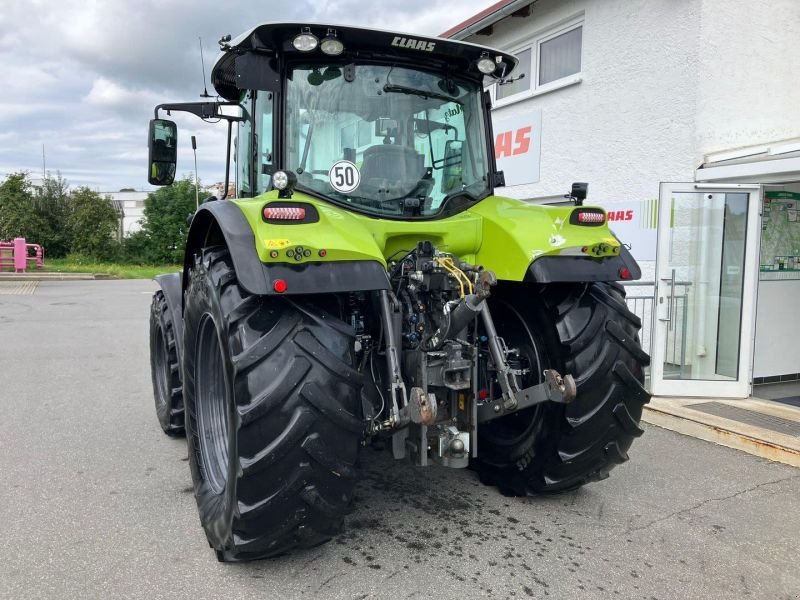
{"x": 20, "y": 255}
{"x": 17, "y": 254}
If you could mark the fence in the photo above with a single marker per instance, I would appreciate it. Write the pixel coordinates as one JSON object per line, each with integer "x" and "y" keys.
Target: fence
{"x": 16, "y": 255}
{"x": 641, "y": 301}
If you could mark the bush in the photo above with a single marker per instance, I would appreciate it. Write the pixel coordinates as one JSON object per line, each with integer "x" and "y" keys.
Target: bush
{"x": 93, "y": 221}
{"x": 82, "y": 224}
{"x": 52, "y": 206}
{"x": 40, "y": 216}
{"x": 135, "y": 247}
{"x": 165, "y": 227}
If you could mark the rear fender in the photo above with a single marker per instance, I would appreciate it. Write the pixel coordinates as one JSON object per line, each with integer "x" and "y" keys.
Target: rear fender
{"x": 222, "y": 222}
{"x": 552, "y": 269}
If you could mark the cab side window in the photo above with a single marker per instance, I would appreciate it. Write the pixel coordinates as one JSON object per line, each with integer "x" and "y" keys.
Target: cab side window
{"x": 264, "y": 155}
{"x": 244, "y": 140}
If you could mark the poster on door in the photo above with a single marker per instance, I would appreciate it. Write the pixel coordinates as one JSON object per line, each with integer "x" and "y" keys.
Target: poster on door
{"x": 518, "y": 146}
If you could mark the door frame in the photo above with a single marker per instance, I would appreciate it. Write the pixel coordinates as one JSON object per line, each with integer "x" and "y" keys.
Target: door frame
{"x": 742, "y": 386}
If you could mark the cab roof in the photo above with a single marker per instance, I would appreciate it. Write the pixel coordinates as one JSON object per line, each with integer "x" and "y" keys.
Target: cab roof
{"x": 359, "y": 43}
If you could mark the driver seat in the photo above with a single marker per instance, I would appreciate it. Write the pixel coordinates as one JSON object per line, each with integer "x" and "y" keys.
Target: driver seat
{"x": 392, "y": 166}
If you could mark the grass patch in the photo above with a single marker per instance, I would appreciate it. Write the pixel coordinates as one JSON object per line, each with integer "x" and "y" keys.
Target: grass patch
{"x": 116, "y": 271}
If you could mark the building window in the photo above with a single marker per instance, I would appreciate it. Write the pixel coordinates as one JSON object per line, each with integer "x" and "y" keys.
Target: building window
{"x": 560, "y": 56}
{"x": 549, "y": 60}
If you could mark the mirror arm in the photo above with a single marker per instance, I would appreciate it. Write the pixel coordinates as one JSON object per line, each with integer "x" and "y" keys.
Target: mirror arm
{"x": 204, "y": 110}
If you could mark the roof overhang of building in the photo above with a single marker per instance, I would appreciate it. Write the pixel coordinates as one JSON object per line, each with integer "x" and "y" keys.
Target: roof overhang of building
{"x": 764, "y": 163}
{"x": 483, "y": 21}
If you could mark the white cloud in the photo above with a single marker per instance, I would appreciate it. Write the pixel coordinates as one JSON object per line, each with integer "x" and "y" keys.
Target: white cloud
{"x": 108, "y": 94}
{"x": 82, "y": 76}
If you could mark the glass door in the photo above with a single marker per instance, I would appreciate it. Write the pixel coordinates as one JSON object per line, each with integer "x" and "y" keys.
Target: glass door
{"x": 706, "y": 264}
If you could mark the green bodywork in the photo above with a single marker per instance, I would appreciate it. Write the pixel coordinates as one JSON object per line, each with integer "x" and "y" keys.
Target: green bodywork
{"x": 501, "y": 234}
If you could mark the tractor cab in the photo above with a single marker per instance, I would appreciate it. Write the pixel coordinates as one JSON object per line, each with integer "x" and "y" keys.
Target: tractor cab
{"x": 389, "y": 125}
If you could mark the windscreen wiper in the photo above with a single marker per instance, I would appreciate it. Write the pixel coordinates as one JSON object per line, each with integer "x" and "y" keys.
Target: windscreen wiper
{"x": 401, "y": 89}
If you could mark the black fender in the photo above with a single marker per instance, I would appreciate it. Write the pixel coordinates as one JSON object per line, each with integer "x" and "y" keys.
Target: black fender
{"x": 223, "y": 223}
{"x": 553, "y": 269}
{"x": 170, "y": 284}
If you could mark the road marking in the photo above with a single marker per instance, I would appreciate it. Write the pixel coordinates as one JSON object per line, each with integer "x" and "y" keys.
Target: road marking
{"x": 18, "y": 288}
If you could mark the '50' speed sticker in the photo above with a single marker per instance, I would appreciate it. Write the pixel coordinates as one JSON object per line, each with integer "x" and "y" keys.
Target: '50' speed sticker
{"x": 344, "y": 176}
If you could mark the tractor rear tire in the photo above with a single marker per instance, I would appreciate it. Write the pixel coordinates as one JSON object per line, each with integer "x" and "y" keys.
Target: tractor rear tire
{"x": 273, "y": 414}
{"x": 585, "y": 330}
{"x": 165, "y": 368}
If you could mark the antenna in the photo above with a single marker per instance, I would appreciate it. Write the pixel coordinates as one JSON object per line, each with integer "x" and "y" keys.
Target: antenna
{"x": 205, "y": 93}
{"x": 196, "y": 182}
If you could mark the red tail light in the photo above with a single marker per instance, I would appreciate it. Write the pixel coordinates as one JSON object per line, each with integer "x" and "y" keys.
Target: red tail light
{"x": 286, "y": 213}
{"x": 593, "y": 217}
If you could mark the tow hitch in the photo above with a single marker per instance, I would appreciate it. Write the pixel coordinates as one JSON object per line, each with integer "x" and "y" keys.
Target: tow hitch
{"x": 554, "y": 389}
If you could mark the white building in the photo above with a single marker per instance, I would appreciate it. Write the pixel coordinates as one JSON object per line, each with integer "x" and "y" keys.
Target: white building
{"x": 630, "y": 94}
{"x": 218, "y": 190}
{"x": 131, "y": 205}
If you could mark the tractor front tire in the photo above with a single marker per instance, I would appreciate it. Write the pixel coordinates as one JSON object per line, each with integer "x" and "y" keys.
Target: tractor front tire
{"x": 273, "y": 401}
{"x": 165, "y": 367}
{"x": 587, "y": 331}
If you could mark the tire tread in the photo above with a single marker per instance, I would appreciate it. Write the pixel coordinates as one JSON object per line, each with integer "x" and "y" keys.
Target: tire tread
{"x": 296, "y": 402}
{"x": 598, "y": 344}
{"x": 171, "y": 414}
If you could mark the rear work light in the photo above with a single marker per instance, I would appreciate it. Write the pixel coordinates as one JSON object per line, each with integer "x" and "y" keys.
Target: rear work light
{"x": 591, "y": 217}
{"x": 285, "y": 213}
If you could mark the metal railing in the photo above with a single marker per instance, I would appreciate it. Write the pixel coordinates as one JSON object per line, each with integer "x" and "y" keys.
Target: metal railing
{"x": 641, "y": 301}
{"x": 16, "y": 254}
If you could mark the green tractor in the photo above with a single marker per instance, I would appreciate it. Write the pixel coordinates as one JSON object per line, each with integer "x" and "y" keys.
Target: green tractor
{"x": 366, "y": 285}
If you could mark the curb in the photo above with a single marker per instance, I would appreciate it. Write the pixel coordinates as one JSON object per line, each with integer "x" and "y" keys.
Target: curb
{"x": 49, "y": 276}
{"x": 677, "y": 414}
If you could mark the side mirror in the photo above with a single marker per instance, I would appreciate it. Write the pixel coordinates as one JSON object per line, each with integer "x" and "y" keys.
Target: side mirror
{"x": 452, "y": 165}
{"x": 162, "y": 156}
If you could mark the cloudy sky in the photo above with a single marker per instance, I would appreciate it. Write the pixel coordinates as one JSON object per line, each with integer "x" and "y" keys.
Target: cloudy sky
{"x": 82, "y": 76}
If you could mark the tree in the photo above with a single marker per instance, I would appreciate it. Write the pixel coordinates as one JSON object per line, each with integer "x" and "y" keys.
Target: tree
{"x": 17, "y": 217}
{"x": 93, "y": 220}
{"x": 166, "y": 211}
{"x": 52, "y": 207}
{"x": 40, "y": 216}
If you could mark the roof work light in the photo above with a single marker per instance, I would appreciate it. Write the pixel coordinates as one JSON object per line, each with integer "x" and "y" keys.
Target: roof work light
{"x": 305, "y": 41}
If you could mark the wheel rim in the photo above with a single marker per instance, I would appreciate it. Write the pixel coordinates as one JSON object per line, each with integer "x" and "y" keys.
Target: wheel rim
{"x": 164, "y": 373}
{"x": 513, "y": 429}
{"x": 212, "y": 402}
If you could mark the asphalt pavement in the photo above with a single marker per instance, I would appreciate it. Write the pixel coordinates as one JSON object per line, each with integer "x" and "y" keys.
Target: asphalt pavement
{"x": 96, "y": 502}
